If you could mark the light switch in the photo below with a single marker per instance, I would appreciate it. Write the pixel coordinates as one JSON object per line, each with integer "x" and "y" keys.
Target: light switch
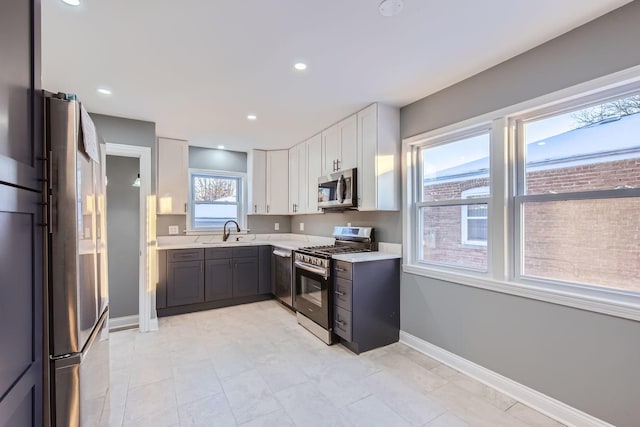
{"x": 173, "y": 229}
{"x": 276, "y": 226}
{"x": 302, "y": 226}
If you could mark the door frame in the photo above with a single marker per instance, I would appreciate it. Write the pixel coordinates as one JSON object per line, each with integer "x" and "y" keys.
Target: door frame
{"x": 146, "y": 322}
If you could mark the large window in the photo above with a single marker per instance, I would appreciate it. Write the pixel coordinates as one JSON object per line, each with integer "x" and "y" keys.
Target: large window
{"x": 544, "y": 203}
{"x": 576, "y": 204}
{"x": 454, "y": 193}
{"x": 215, "y": 198}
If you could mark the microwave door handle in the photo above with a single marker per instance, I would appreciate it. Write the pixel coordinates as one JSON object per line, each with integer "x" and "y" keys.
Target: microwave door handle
{"x": 340, "y": 189}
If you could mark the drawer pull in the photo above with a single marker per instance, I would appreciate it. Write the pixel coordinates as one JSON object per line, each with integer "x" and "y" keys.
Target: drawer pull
{"x": 340, "y": 269}
{"x": 341, "y": 323}
{"x": 339, "y": 293}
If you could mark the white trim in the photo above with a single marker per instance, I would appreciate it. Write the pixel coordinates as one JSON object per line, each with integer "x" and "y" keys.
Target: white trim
{"x": 540, "y": 402}
{"x": 123, "y": 322}
{"x": 144, "y": 298}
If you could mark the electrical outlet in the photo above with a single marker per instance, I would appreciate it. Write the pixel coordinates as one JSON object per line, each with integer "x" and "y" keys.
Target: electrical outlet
{"x": 302, "y": 226}
{"x": 276, "y": 226}
{"x": 173, "y": 229}
{"x": 348, "y": 224}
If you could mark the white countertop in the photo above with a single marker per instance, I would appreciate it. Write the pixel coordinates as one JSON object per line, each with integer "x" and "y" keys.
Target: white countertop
{"x": 366, "y": 256}
{"x": 290, "y": 241}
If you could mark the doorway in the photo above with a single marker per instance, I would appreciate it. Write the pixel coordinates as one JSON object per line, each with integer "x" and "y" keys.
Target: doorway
{"x": 123, "y": 236}
{"x": 144, "y": 252}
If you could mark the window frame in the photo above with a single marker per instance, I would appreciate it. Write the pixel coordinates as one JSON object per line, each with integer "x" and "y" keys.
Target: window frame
{"x": 439, "y": 140}
{"x": 241, "y": 198}
{"x": 504, "y": 251}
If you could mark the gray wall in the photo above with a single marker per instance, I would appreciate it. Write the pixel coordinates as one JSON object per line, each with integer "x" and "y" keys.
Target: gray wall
{"x": 118, "y": 130}
{"x": 265, "y": 224}
{"x": 123, "y": 235}
{"x": 220, "y": 160}
{"x": 388, "y": 225}
{"x": 585, "y": 359}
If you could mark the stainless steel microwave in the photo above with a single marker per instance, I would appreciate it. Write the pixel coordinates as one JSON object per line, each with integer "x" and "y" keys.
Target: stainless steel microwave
{"x": 338, "y": 190}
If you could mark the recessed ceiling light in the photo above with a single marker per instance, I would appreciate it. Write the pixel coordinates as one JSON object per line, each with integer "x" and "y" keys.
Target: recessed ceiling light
{"x": 300, "y": 66}
{"x": 104, "y": 91}
{"x": 390, "y": 7}
{"x": 72, "y": 2}
{"x": 251, "y": 117}
{"x": 220, "y": 147}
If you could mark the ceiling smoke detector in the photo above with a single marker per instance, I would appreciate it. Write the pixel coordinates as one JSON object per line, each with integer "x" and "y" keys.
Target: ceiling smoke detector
{"x": 390, "y": 7}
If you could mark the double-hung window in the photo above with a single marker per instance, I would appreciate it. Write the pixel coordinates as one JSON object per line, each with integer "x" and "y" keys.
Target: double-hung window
{"x": 453, "y": 206}
{"x": 215, "y": 197}
{"x": 540, "y": 201}
{"x": 577, "y": 204}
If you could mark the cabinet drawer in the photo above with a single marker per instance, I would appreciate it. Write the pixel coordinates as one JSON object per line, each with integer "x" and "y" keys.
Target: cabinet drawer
{"x": 342, "y": 323}
{"x": 343, "y": 269}
{"x": 217, "y": 253}
{"x": 245, "y": 252}
{"x": 174, "y": 255}
{"x": 342, "y": 293}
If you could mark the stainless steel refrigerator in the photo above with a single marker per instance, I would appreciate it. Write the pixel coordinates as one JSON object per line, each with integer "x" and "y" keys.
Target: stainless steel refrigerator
{"x": 76, "y": 267}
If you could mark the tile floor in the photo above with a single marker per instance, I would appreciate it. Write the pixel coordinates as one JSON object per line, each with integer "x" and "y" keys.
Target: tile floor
{"x": 252, "y": 365}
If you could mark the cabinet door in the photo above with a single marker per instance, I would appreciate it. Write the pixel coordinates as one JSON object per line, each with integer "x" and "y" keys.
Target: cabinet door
{"x": 245, "y": 276}
{"x": 330, "y": 150}
{"x": 348, "y": 143}
{"x": 264, "y": 272}
{"x": 185, "y": 283}
{"x": 367, "y": 148}
{"x": 20, "y": 96}
{"x": 173, "y": 176}
{"x": 258, "y": 190}
{"x": 314, "y": 171}
{"x": 218, "y": 280}
{"x": 20, "y": 307}
{"x": 278, "y": 182}
{"x": 294, "y": 182}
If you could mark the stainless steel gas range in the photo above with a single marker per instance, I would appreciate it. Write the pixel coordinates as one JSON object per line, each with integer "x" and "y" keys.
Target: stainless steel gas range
{"x": 314, "y": 279}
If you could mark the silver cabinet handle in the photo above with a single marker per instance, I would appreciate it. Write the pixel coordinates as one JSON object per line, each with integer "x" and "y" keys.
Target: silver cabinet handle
{"x": 267, "y": 208}
{"x": 185, "y": 208}
{"x": 341, "y": 322}
{"x": 201, "y": 267}
{"x": 337, "y": 164}
{"x": 339, "y": 293}
{"x": 255, "y": 208}
{"x": 340, "y": 269}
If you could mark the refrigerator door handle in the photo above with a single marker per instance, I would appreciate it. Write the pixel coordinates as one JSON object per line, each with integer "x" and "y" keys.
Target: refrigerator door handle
{"x": 76, "y": 358}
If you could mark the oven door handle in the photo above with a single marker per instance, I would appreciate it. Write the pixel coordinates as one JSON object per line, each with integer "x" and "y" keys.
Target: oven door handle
{"x": 312, "y": 268}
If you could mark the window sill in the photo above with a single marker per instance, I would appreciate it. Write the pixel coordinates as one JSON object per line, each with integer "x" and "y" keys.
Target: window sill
{"x": 612, "y": 303}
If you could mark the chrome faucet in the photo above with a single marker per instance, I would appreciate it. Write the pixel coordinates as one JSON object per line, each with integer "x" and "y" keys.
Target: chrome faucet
{"x": 226, "y": 233}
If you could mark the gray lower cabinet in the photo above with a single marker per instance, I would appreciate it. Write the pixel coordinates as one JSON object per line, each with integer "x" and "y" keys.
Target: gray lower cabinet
{"x": 366, "y": 312}
{"x": 218, "y": 282}
{"x": 185, "y": 282}
{"x": 200, "y": 279}
{"x": 245, "y": 276}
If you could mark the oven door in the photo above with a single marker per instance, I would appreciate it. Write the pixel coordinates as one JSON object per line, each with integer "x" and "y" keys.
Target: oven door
{"x": 313, "y": 295}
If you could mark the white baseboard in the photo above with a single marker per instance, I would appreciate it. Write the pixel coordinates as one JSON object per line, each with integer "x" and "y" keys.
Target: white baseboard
{"x": 534, "y": 399}
{"x": 123, "y": 322}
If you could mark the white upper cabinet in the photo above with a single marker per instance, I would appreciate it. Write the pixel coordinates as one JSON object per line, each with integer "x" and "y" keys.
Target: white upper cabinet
{"x": 379, "y": 158}
{"x": 269, "y": 189}
{"x": 257, "y": 166}
{"x": 298, "y": 196}
{"x": 340, "y": 146}
{"x": 314, "y": 171}
{"x": 173, "y": 176}
{"x": 277, "y": 182}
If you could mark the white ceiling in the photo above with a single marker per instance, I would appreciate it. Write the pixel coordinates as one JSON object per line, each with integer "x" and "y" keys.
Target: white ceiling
{"x": 198, "y": 67}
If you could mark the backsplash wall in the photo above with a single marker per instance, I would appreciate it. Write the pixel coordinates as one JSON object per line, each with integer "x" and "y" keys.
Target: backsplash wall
{"x": 387, "y": 225}
{"x": 265, "y": 224}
